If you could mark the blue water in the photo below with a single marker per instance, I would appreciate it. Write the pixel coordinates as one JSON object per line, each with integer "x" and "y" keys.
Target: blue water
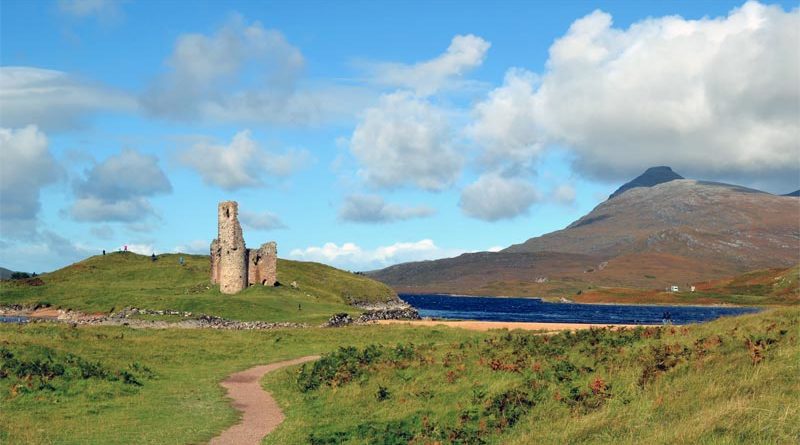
{"x": 536, "y": 310}
{"x": 13, "y": 319}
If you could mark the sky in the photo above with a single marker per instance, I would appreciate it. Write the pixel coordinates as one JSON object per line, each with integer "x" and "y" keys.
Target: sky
{"x": 365, "y": 134}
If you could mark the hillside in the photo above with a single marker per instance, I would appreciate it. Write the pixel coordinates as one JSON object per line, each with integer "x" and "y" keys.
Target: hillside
{"x": 5, "y": 273}
{"x": 114, "y": 281}
{"x": 646, "y": 236}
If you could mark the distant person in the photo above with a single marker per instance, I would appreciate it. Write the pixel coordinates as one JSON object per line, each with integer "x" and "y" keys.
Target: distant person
{"x": 104, "y": 252}
{"x": 126, "y": 248}
{"x": 153, "y": 256}
{"x": 180, "y": 261}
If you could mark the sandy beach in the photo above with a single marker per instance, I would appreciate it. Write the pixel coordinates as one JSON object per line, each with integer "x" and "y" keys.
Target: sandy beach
{"x": 489, "y": 325}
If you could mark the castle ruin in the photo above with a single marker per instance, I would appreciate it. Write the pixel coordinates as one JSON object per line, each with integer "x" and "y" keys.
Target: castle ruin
{"x": 233, "y": 266}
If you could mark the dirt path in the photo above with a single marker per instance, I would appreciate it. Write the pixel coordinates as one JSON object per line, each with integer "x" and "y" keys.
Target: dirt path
{"x": 487, "y": 325}
{"x": 260, "y": 412}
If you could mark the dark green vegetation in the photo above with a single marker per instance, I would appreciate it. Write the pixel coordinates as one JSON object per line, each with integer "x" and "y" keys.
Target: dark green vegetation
{"x": 111, "y": 282}
{"x": 730, "y": 381}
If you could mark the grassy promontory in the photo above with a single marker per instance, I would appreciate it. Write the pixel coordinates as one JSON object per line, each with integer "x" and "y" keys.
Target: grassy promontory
{"x": 107, "y": 283}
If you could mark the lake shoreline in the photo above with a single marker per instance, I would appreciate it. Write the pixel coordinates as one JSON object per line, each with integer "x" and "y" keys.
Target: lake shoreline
{"x": 478, "y": 325}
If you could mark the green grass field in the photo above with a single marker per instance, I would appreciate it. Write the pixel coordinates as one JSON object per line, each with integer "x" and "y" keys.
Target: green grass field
{"x": 729, "y": 381}
{"x": 111, "y": 282}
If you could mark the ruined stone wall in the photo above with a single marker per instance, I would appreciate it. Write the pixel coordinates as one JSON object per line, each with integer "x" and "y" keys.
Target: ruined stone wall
{"x": 232, "y": 273}
{"x": 262, "y": 264}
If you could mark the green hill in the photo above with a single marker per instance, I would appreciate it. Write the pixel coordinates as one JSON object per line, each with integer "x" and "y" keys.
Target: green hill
{"x": 114, "y": 281}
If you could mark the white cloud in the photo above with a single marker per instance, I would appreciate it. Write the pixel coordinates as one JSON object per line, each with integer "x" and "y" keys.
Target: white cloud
{"x": 495, "y": 249}
{"x": 564, "y": 194}
{"x": 713, "y": 98}
{"x": 351, "y": 256}
{"x": 244, "y": 73}
{"x": 141, "y": 249}
{"x": 493, "y": 197}
{"x": 242, "y": 163}
{"x": 43, "y": 251}
{"x": 465, "y": 53}
{"x": 117, "y": 188}
{"x": 503, "y": 124}
{"x": 195, "y": 247}
{"x": 53, "y": 100}
{"x": 406, "y": 141}
{"x": 105, "y": 10}
{"x": 373, "y": 209}
{"x": 261, "y": 220}
{"x": 26, "y": 166}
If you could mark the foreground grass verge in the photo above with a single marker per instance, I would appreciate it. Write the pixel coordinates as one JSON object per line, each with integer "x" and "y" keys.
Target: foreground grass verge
{"x": 111, "y": 282}
{"x": 179, "y": 399}
{"x": 729, "y": 381}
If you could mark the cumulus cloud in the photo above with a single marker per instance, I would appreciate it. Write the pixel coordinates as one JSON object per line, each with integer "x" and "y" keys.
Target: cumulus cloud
{"x": 564, "y": 194}
{"x": 406, "y": 141}
{"x": 195, "y": 247}
{"x": 243, "y": 73}
{"x": 713, "y": 98}
{"x": 465, "y": 53}
{"x": 261, "y": 220}
{"x": 503, "y": 123}
{"x": 353, "y": 257}
{"x": 26, "y": 166}
{"x": 42, "y": 251}
{"x": 373, "y": 209}
{"x": 117, "y": 188}
{"x": 493, "y": 197}
{"x": 242, "y": 163}
{"x": 53, "y": 100}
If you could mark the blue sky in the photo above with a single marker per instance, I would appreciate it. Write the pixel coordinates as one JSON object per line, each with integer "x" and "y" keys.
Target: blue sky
{"x": 363, "y": 134}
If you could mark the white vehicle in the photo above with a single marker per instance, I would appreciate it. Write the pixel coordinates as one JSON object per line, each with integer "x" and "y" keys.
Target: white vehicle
{"x": 673, "y": 289}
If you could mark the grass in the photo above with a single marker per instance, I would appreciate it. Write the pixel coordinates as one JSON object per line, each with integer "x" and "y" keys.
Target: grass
{"x": 111, "y": 282}
{"x": 180, "y": 403}
{"x": 729, "y": 381}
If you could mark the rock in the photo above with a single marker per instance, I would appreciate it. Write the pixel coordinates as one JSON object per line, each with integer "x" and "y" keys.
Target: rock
{"x": 339, "y": 320}
{"x": 402, "y": 313}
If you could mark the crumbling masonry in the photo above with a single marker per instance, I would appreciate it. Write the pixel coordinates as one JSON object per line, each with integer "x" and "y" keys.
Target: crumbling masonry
{"x": 233, "y": 266}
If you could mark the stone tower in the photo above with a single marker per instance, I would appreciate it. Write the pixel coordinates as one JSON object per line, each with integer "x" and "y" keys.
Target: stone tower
{"x": 228, "y": 254}
{"x": 233, "y": 266}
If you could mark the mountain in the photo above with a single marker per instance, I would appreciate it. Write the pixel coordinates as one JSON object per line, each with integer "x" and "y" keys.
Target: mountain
{"x": 794, "y": 193}
{"x": 678, "y": 231}
{"x": 651, "y": 177}
{"x": 5, "y": 273}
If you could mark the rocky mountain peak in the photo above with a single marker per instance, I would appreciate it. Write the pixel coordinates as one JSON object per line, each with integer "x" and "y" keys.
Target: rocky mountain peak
{"x": 651, "y": 177}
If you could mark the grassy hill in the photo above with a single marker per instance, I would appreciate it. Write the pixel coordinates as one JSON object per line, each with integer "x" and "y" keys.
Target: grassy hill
{"x": 114, "y": 281}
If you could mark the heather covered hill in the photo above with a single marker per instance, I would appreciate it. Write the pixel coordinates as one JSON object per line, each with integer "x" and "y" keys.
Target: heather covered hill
{"x": 677, "y": 231}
